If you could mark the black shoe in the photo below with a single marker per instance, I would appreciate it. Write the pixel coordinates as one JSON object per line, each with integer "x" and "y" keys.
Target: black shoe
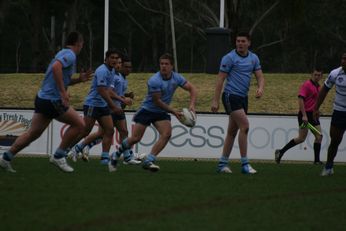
{"x": 278, "y": 156}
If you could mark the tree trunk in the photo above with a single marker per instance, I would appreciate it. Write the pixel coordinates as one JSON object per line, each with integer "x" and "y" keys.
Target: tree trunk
{"x": 4, "y": 5}
{"x": 70, "y": 23}
{"x": 36, "y": 28}
{"x": 18, "y": 55}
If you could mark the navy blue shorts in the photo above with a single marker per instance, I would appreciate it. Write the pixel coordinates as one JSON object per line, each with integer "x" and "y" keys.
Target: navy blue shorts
{"x": 95, "y": 112}
{"x": 116, "y": 117}
{"x": 234, "y": 102}
{"x": 311, "y": 120}
{"x": 50, "y": 108}
{"x": 339, "y": 119}
{"x": 146, "y": 117}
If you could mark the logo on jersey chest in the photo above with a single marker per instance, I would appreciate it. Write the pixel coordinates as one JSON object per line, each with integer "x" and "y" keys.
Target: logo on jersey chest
{"x": 340, "y": 79}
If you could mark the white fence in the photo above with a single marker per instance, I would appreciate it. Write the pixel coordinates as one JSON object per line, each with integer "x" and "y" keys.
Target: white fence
{"x": 205, "y": 140}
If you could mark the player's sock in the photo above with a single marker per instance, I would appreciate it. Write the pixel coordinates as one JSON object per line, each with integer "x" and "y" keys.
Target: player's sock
{"x": 288, "y": 146}
{"x": 149, "y": 158}
{"x": 59, "y": 153}
{"x": 128, "y": 154}
{"x": 104, "y": 155}
{"x": 317, "y": 149}
{"x": 329, "y": 165}
{"x": 79, "y": 147}
{"x": 7, "y": 156}
{"x": 223, "y": 161}
{"x": 244, "y": 161}
{"x": 118, "y": 154}
{"x": 96, "y": 141}
{"x": 124, "y": 145}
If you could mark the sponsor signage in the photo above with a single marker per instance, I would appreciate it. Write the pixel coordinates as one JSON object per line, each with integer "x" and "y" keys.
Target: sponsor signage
{"x": 205, "y": 140}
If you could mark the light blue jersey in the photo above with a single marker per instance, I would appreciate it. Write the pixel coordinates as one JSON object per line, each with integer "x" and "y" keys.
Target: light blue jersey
{"x": 49, "y": 89}
{"x": 156, "y": 83}
{"x": 119, "y": 86}
{"x": 103, "y": 78}
{"x": 239, "y": 70}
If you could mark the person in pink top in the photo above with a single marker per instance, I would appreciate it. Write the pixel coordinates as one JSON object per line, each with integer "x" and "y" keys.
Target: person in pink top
{"x": 307, "y": 98}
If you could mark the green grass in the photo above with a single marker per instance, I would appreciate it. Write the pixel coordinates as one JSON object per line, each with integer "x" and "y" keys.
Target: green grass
{"x": 184, "y": 195}
{"x": 19, "y": 90}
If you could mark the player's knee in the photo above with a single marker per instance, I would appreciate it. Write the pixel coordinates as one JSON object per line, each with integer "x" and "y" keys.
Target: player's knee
{"x": 123, "y": 133}
{"x": 318, "y": 139}
{"x": 299, "y": 140}
{"x": 136, "y": 139}
{"x": 244, "y": 130}
{"x": 335, "y": 142}
{"x": 85, "y": 131}
{"x": 80, "y": 126}
{"x": 166, "y": 135}
{"x": 33, "y": 135}
{"x": 109, "y": 132}
{"x": 232, "y": 132}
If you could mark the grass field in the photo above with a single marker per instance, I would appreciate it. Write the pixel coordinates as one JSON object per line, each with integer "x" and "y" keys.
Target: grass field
{"x": 184, "y": 195}
{"x": 19, "y": 90}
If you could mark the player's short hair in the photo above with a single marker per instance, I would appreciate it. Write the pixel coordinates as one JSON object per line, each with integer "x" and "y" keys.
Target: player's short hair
{"x": 73, "y": 38}
{"x": 111, "y": 51}
{"x": 244, "y": 34}
{"x": 167, "y": 56}
{"x": 318, "y": 69}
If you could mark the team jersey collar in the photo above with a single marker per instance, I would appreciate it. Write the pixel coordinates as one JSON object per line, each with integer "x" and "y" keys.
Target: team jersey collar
{"x": 243, "y": 56}
{"x": 108, "y": 67}
{"x": 165, "y": 78}
{"x": 314, "y": 83}
{"x": 124, "y": 76}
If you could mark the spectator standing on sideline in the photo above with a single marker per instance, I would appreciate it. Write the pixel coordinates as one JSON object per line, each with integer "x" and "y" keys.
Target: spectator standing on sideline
{"x": 154, "y": 110}
{"x": 52, "y": 102}
{"x": 307, "y": 98}
{"x": 236, "y": 68}
{"x": 336, "y": 77}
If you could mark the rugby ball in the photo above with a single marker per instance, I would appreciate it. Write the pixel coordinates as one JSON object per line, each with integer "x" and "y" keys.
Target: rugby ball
{"x": 188, "y": 118}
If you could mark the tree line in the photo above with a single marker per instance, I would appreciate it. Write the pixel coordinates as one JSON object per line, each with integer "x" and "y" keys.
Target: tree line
{"x": 288, "y": 35}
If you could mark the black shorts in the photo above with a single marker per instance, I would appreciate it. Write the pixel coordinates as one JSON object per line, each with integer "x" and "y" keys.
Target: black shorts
{"x": 339, "y": 119}
{"x": 234, "y": 102}
{"x": 116, "y": 117}
{"x": 50, "y": 108}
{"x": 95, "y": 112}
{"x": 146, "y": 117}
{"x": 311, "y": 120}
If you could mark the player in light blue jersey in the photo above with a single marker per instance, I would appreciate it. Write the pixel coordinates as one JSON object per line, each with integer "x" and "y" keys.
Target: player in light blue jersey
{"x": 336, "y": 77}
{"x": 52, "y": 102}
{"x": 237, "y": 68}
{"x": 98, "y": 105}
{"x": 154, "y": 110}
{"x": 119, "y": 87}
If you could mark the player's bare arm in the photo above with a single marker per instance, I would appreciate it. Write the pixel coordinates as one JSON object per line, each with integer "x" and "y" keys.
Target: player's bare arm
{"x": 220, "y": 79}
{"x": 83, "y": 77}
{"x": 58, "y": 77}
{"x": 105, "y": 93}
{"x": 158, "y": 102}
{"x": 260, "y": 83}
{"x": 193, "y": 94}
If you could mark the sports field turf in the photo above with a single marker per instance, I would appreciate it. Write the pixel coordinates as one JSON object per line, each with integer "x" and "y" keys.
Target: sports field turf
{"x": 183, "y": 195}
